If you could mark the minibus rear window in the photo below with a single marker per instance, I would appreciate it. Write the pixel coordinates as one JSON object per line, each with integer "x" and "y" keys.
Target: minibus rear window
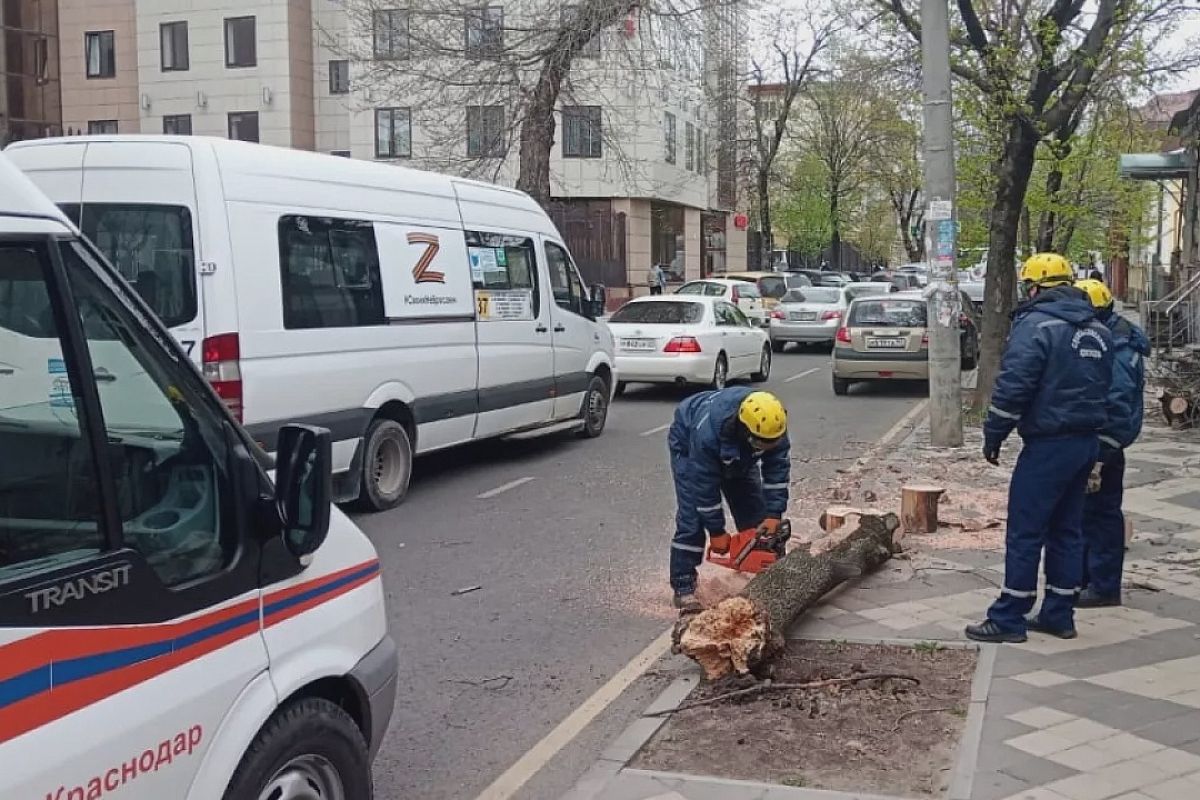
{"x": 151, "y": 245}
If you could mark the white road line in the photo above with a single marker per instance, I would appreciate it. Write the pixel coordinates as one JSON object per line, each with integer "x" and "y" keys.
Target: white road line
{"x": 488, "y": 495}
{"x": 802, "y": 374}
{"x": 653, "y": 431}
{"x": 529, "y": 764}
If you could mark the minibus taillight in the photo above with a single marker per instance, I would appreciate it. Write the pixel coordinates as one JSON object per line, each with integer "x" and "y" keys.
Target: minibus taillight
{"x": 222, "y": 367}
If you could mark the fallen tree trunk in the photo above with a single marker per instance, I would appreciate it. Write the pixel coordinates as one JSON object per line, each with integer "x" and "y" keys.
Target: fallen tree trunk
{"x": 743, "y": 633}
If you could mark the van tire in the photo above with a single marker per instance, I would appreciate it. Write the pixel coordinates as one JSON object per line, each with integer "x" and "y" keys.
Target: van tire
{"x": 312, "y": 739}
{"x": 386, "y": 466}
{"x": 594, "y": 412}
{"x": 621, "y": 387}
{"x": 764, "y": 366}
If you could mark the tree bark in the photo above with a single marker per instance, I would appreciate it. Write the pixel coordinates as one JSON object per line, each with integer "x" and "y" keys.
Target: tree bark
{"x": 919, "y": 508}
{"x": 1048, "y": 225}
{"x": 835, "y": 229}
{"x": 1013, "y": 171}
{"x": 767, "y": 241}
{"x": 743, "y": 633}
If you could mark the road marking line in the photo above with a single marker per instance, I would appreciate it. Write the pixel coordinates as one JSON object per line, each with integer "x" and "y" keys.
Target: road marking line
{"x": 540, "y": 754}
{"x": 488, "y": 495}
{"x": 653, "y": 431}
{"x": 802, "y": 374}
{"x": 901, "y": 424}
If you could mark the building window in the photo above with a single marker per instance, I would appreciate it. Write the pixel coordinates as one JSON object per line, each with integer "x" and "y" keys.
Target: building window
{"x": 241, "y": 47}
{"x": 701, "y": 153}
{"x": 102, "y": 126}
{"x": 339, "y": 77}
{"x": 391, "y": 32}
{"x": 243, "y": 126}
{"x": 41, "y": 60}
{"x": 569, "y": 18}
{"x": 177, "y": 124}
{"x": 393, "y": 133}
{"x": 330, "y": 273}
{"x": 581, "y": 132}
{"x": 340, "y": 153}
{"x": 669, "y": 136}
{"x": 485, "y": 131}
{"x": 100, "y": 51}
{"x": 173, "y": 37}
{"x": 667, "y": 239}
{"x": 485, "y": 31}
{"x": 689, "y": 147}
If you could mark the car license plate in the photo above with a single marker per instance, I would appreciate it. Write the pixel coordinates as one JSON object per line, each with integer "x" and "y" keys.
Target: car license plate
{"x": 804, "y": 316}
{"x": 885, "y": 344}
{"x": 637, "y": 344}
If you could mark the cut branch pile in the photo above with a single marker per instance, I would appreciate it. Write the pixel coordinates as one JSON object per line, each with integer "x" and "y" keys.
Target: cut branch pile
{"x": 743, "y": 633}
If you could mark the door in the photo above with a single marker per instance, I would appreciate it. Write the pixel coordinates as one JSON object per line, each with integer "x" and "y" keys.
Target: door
{"x": 735, "y": 330}
{"x": 128, "y": 690}
{"x": 512, "y": 323}
{"x": 575, "y": 336}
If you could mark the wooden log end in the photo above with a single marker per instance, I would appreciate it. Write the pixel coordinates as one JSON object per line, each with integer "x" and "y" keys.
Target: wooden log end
{"x": 729, "y": 638}
{"x": 919, "y": 507}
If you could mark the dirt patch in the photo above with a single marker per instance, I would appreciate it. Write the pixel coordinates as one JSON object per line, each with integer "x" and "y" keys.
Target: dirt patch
{"x": 878, "y": 736}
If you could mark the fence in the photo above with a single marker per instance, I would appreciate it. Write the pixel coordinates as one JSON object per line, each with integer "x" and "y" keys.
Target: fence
{"x": 596, "y": 238}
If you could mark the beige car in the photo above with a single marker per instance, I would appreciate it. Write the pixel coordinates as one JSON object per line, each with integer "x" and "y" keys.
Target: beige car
{"x": 884, "y": 338}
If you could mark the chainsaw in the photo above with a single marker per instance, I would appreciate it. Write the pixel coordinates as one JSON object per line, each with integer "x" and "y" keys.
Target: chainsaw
{"x": 751, "y": 551}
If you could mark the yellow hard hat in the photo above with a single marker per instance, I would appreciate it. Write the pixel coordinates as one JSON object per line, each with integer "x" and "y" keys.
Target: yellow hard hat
{"x": 763, "y": 415}
{"x": 1047, "y": 269}
{"x": 1097, "y": 292}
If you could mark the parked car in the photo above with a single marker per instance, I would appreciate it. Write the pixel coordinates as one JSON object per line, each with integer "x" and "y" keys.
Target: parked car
{"x": 920, "y": 270}
{"x": 863, "y": 288}
{"x": 807, "y": 316}
{"x": 687, "y": 339}
{"x": 886, "y": 338}
{"x": 403, "y": 310}
{"x": 900, "y": 280}
{"x": 743, "y": 294}
{"x": 771, "y": 285}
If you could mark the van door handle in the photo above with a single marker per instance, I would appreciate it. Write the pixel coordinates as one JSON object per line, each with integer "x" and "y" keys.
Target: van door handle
{"x": 541, "y": 329}
{"x": 559, "y": 328}
{"x": 104, "y": 376}
{"x": 7, "y": 371}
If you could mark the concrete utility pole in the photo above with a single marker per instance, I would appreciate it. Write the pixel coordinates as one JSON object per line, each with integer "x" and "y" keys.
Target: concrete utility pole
{"x": 945, "y": 304}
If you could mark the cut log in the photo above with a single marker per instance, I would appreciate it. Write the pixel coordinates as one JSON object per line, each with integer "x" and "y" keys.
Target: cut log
{"x": 1178, "y": 406}
{"x": 919, "y": 508}
{"x": 835, "y": 517}
{"x": 743, "y": 633}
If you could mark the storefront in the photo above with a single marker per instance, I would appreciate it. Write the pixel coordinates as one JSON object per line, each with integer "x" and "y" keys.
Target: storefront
{"x": 668, "y": 240}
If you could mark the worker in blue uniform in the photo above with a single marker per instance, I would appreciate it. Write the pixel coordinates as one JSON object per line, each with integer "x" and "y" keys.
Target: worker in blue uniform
{"x": 1052, "y": 388}
{"x": 730, "y": 442}
{"x": 1103, "y": 521}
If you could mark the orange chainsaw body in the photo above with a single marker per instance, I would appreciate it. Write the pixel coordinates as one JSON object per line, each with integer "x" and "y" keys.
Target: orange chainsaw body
{"x": 751, "y": 551}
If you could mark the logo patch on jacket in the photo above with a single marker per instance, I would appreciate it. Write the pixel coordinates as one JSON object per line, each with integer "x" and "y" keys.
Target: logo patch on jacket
{"x": 1077, "y": 344}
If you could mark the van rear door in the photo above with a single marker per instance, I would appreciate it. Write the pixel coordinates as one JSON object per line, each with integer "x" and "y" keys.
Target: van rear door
{"x": 139, "y": 208}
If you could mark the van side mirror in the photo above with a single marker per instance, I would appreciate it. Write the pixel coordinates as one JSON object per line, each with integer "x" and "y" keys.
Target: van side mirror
{"x": 598, "y": 303}
{"x": 303, "y": 486}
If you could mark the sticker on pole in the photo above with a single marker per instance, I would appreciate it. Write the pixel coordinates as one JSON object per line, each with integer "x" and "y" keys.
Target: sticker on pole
{"x": 940, "y": 209}
{"x": 492, "y": 305}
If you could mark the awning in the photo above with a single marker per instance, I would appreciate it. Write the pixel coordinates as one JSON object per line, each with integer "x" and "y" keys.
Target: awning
{"x": 1157, "y": 166}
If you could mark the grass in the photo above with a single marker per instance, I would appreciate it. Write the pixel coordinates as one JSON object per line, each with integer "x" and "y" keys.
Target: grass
{"x": 794, "y": 780}
{"x": 927, "y": 647}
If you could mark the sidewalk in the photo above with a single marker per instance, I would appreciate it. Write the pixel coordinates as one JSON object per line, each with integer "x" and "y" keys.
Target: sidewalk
{"x": 1114, "y": 714}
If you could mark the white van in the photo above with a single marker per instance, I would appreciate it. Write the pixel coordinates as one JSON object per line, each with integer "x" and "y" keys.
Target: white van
{"x": 172, "y": 624}
{"x": 404, "y": 311}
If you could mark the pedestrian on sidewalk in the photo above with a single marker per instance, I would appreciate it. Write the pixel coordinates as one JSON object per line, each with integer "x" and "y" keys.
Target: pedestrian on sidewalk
{"x": 657, "y": 278}
{"x": 1103, "y": 521}
{"x": 733, "y": 443}
{"x": 1052, "y": 388}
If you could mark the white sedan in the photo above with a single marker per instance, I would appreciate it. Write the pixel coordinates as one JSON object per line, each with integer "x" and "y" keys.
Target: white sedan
{"x": 743, "y": 294}
{"x": 687, "y": 339}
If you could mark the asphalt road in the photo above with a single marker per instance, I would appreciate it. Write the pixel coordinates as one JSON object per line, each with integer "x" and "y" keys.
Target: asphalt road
{"x": 568, "y": 541}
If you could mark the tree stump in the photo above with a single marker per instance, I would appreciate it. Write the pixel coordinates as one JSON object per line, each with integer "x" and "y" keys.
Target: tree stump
{"x": 919, "y": 508}
{"x": 743, "y": 633}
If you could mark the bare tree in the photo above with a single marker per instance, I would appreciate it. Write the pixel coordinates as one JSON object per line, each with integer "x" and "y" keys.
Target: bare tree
{"x": 775, "y": 83}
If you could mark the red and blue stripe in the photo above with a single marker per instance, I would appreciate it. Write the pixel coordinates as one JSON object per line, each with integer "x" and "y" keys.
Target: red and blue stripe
{"x": 51, "y": 674}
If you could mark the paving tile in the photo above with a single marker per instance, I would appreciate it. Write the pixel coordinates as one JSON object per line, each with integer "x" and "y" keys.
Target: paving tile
{"x": 1124, "y": 746}
{"x": 1171, "y": 761}
{"x": 1040, "y": 743}
{"x": 1107, "y": 782}
{"x": 1083, "y": 758}
{"x": 996, "y": 786}
{"x": 1043, "y": 678}
{"x": 1039, "y": 793}
{"x": 1038, "y": 771}
{"x": 1041, "y": 717}
{"x": 1176, "y": 789}
{"x": 1121, "y": 710}
{"x": 1178, "y": 731}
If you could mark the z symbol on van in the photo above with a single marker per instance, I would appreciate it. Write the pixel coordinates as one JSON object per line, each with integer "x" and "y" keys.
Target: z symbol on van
{"x": 422, "y": 272}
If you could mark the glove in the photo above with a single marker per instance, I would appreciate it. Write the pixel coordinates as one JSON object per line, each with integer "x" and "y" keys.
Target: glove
{"x": 991, "y": 450}
{"x": 768, "y": 526}
{"x": 1094, "y": 479}
{"x": 719, "y": 543}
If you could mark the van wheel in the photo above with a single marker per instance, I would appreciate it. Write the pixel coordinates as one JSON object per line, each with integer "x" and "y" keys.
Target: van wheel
{"x": 595, "y": 408}
{"x": 621, "y": 387}
{"x": 387, "y": 466}
{"x": 720, "y": 376}
{"x": 841, "y": 386}
{"x": 308, "y": 750}
{"x": 764, "y": 366}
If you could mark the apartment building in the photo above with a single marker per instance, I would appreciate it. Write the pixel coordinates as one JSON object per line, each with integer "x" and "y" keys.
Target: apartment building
{"x": 30, "y": 105}
{"x": 643, "y": 169}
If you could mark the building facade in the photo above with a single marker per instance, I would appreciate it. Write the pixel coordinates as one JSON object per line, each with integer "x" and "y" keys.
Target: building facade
{"x": 643, "y": 168}
{"x": 30, "y": 97}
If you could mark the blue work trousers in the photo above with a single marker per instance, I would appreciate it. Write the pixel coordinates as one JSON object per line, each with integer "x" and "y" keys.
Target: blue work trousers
{"x": 1104, "y": 530}
{"x": 743, "y": 494}
{"x": 1045, "y": 512}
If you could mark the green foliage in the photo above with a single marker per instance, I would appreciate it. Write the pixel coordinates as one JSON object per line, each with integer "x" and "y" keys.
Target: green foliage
{"x": 801, "y": 209}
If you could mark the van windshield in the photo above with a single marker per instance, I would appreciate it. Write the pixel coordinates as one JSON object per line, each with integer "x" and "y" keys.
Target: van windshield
{"x": 151, "y": 245}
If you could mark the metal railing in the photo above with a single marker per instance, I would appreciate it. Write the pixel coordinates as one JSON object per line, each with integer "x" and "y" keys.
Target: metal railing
{"x": 1171, "y": 323}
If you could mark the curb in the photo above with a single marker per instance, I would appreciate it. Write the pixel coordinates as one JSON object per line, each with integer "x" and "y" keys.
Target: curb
{"x": 621, "y": 751}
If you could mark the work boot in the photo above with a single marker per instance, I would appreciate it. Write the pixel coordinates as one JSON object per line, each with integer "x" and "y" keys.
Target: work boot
{"x": 1089, "y": 599}
{"x": 687, "y": 603}
{"x": 988, "y": 631}
{"x": 1034, "y": 623}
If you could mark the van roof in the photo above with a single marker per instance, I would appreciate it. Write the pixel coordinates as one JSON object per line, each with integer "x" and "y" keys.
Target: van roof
{"x": 20, "y": 199}
{"x": 268, "y": 161}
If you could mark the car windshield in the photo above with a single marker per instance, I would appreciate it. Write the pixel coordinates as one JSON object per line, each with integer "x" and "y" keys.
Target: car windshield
{"x": 821, "y": 294}
{"x": 772, "y": 286}
{"x": 660, "y": 312}
{"x": 697, "y": 287}
{"x": 866, "y": 290}
{"x": 748, "y": 290}
{"x": 889, "y": 314}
